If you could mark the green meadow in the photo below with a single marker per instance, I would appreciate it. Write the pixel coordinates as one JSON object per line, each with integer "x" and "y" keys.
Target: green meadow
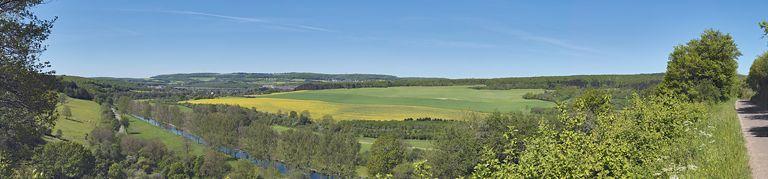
{"x": 85, "y": 117}
{"x": 395, "y": 103}
{"x": 444, "y": 97}
{"x": 174, "y": 142}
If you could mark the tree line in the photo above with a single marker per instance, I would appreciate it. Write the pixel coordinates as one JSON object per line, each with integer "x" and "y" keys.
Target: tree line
{"x": 328, "y": 150}
{"x": 639, "y": 81}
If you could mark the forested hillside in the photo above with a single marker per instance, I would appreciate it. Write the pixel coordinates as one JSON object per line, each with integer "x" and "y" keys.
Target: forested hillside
{"x": 640, "y": 81}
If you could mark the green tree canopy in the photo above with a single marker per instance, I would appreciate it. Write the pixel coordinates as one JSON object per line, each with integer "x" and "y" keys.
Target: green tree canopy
{"x": 644, "y": 140}
{"x": 704, "y": 69}
{"x": 457, "y": 152}
{"x": 27, "y": 96}
{"x": 758, "y": 73}
{"x": 64, "y": 160}
{"x": 386, "y": 153}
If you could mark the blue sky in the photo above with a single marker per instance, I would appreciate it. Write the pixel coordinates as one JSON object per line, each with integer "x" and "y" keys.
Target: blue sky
{"x": 455, "y": 39}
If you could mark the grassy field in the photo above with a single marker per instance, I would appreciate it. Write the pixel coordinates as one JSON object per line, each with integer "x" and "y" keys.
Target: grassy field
{"x": 85, "y": 117}
{"x": 366, "y": 142}
{"x": 397, "y": 103}
{"x": 726, "y": 156}
{"x": 174, "y": 142}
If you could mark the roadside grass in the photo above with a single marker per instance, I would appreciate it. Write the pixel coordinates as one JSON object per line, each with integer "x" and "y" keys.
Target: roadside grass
{"x": 173, "y": 142}
{"x": 726, "y": 156}
{"x": 85, "y": 117}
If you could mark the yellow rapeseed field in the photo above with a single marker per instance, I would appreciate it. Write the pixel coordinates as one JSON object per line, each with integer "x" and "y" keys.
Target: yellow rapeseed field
{"x": 339, "y": 111}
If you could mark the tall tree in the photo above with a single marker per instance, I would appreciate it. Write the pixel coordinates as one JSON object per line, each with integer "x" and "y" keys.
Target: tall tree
{"x": 66, "y": 112}
{"x": 457, "y": 152}
{"x": 214, "y": 165}
{"x": 27, "y": 96}
{"x": 64, "y": 160}
{"x": 704, "y": 69}
{"x": 386, "y": 153}
{"x": 758, "y": 73}
{"x": 259, "y": 140}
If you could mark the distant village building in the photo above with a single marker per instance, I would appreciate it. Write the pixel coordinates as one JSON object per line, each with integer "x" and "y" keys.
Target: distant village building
{"x": 281, "y": 88}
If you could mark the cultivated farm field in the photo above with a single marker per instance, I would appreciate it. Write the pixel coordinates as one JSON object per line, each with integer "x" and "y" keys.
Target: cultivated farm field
{"x": 395, "y": 103}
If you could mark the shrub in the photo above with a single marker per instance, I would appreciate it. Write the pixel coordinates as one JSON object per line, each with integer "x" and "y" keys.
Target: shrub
{"x": 704, "y": 69}
{"x": 649, "y": 138}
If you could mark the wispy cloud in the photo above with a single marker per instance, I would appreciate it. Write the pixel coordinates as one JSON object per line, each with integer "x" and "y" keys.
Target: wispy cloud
{"x": 279, "y": 25}
{"x": 543, "y": 39}
{"x": 125, "y": 31}
{"x": 430, "y": 42}
{"x": 453, "y": 43}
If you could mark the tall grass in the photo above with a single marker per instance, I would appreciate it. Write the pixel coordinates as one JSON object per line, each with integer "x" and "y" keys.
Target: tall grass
{"x": 725, "y": 155}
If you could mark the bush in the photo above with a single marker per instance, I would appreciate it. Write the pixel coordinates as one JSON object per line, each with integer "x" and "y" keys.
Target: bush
{"x": 386, "y": 153}
{"x": 64, "y": 160}
{"x": 758, "y": 78}
{"x": 650, "y": 138}
{"x": 704, "y": 69}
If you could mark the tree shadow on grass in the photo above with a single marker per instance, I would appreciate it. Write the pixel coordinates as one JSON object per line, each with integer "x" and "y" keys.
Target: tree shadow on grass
{"x": 759, "y": 131}
{"x": 74, "y": 120}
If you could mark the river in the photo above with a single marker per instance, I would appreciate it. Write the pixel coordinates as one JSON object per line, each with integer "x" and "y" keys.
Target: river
{"x": 236, "y": 153}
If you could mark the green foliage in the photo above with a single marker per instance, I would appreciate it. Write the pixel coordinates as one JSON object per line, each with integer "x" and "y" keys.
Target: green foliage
{"x": 403, "y": 170}
{"x": 386, "y": 152}
{"x": 338, "y": 155}
{"x": 764, "y": 25}
{"x": 704, "y": 69}
{"x": 456, "y": 153}
{"x": 758, "y": 78}
{"x": 422, "y": 170}
{"x": 27, "y": 89}
{"x": 214, "y": 165}
{"x": 66, "y": 112}
{"x": 650, "y": 138}
{"x": 296, "y": 148}
{"x": 412, "y": 129}
{"x": 261, "y": 141}
{"x": 64, "y": 160}
{"x": 116, "y": 171}
{"x": 243, "y": 169}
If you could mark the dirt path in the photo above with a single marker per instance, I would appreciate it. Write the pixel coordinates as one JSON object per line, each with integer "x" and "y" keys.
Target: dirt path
{"x": 754, "y": 126}
{"x": 119, "y": 118}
